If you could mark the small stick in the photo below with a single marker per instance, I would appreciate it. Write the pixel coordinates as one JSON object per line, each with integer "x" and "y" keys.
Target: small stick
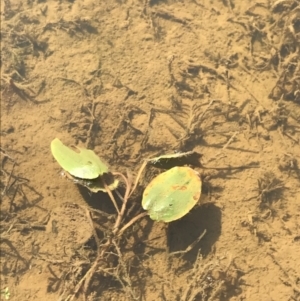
{"x": 11, "y": 203}
{"x": 246, "y": 166}
{"x": 8, "y": 180}
{"x": 229, "y": 3}
{"x": 224, "y": 147}
{"x": 216, "y": 291}
{"x": 191, "y": 246}
{"x": 199, "y": 272}
{"x": 93, "y": 119}
{"x": 289, "y": 280}
{"x": 88, "y": 214}
{"x": 228, "y": 87}
{"x": 172, "y": 77}
{"x": 127, "y": 287}
{"x": 229, "y": 141}
{"x": 4, "y": 153}
{"x": 209, "y": 105}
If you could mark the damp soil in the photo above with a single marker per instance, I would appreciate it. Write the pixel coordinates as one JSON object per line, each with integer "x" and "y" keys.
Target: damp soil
{"x": 136, "y": 79}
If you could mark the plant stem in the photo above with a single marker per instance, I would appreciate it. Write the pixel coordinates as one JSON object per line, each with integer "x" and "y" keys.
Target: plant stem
{"x": 132, "y": 221}
{"x": 110, "y": 195}
{"x": 138, "y": 177}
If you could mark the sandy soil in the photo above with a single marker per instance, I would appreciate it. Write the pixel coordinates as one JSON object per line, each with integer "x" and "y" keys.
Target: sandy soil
{"x": 130, "y": 80}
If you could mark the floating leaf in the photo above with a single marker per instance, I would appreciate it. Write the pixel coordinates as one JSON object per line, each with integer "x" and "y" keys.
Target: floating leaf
{"x": 84, "y": 164}
{"x": 172, "y": 194}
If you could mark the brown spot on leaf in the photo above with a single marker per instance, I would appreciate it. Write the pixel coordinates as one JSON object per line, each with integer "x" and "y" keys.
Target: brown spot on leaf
{"x": 179, "y": 187}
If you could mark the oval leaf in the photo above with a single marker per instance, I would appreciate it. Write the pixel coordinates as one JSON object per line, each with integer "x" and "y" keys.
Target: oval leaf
{"x": 172, "y": 194}
{"x": 84, "y": 164}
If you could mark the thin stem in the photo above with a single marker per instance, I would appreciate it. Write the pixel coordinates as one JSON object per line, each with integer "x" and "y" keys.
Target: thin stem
{"x": 132, "y": 221}
{"x": 138, "y": 177}
{"x": 128, "y": 185}
{"x": 110, "y": 195}
{"x": 123, "y": 208}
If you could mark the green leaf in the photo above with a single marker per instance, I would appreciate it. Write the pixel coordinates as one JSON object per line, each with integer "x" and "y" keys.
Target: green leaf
{"x": 84, "y": 164}
{"x": 172, "y": 194}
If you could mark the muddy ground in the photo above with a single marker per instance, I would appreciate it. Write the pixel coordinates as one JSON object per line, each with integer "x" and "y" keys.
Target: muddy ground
{"x": 131, "y": 80}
